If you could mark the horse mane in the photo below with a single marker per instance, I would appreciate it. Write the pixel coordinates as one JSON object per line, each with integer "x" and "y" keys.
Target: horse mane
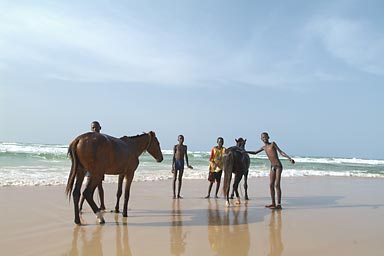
{"x": 137, "y": 136}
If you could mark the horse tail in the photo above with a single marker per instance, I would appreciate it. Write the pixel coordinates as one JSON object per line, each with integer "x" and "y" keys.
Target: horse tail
{"x": 228, "y": 163}
{"x": 73, "y": 172}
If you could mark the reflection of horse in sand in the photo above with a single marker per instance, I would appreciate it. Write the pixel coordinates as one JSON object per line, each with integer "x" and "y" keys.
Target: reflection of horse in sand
{"x": 275, "y": 226}
{"x": 122, "y": 242}
{"x": 89, "y": 246}
{"x": 86, "y": 241}
{"x": 226, "y": 229}
{"x": 102, "y": 154}
{"x": 178, "y": 238}
{"x": 235, "y": 161}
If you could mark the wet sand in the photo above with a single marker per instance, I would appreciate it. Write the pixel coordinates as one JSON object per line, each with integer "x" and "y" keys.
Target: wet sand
{"x": 320, "y": 216}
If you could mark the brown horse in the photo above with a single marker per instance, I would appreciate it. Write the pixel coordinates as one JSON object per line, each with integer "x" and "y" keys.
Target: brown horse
{"x": 102, "y": 154}
{"x": 235, "y": 161}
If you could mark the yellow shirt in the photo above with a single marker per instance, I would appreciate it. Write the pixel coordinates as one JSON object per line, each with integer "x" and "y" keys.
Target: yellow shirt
{"x": 216, "y": 159}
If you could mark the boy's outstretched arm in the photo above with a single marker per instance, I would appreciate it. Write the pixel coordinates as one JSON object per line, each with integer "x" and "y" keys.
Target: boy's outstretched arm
{"x": 255, "y": 152}
{"x": 283, "y": 153}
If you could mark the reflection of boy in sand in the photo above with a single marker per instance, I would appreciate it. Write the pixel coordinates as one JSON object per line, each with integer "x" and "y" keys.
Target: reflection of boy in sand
{"x": 271, "y": 150}
{"x": 215, "y": 228}
{"x": 275, "y": 226}
{"x": 178, "y": 237}
{"x": 179, "y": 152}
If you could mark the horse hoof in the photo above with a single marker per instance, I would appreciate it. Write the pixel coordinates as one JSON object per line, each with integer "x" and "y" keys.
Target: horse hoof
{"x": 117, "y": 210}
{"x": 100, "y": 218}
{"x": 238, "y": 202}
{"x": 77, "y": 222}
{"x": 227, "y": 204}
{"x": 125, "y": 215}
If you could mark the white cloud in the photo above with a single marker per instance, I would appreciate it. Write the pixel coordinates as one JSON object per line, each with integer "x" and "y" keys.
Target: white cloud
{"x": 355, "y": 42}
{"x": 89, "y": 48}
{"x": 83, "y": 47}
{"x": 86, "y": 46}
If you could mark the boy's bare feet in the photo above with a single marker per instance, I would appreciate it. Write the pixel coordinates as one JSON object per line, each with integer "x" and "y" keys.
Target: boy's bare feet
{"x": 274, "y": 207}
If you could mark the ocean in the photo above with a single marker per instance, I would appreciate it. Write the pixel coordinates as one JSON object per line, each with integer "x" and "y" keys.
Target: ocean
{"x": 27, "y": 164}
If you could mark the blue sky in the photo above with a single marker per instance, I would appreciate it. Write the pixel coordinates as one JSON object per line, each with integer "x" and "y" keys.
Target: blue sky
{"x": 308, "y": 72}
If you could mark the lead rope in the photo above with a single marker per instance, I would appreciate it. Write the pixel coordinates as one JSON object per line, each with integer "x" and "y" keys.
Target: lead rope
{"x": 149, "y": 142}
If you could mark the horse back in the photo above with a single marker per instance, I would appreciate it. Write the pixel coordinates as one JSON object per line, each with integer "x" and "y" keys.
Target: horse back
{"x": 101, "y": 153}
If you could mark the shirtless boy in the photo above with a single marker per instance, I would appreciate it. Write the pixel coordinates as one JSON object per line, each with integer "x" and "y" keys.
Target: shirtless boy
{"x": 179, "y": 152}
{"x": 271, "y": 150}
{"x": 95, "y": 127}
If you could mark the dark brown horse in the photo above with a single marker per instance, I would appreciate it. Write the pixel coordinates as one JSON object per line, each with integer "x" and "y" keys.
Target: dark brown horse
{"x": 102, "y": 154}
{"x": 235, "y": 161}
{"x": 240, "y": 142}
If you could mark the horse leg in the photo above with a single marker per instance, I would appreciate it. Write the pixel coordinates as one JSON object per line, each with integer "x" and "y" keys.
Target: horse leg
{"x": 233, "y": 189}
{"x": 232, "y": 194}
{"x": 236, "y": 187}
{"x": 76, "y": 197}
{"x": 129, "y": 178}
{"x": 246, "y": 185}
{"x": 119, "y": 192}
{"x": 227, "y": 203}
{"x": 88, "y": 194}
{"x": 82, "y": 199}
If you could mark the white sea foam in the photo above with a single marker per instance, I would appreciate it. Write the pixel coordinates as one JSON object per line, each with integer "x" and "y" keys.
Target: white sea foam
{"x": 33, "y": 148}
{"x": 41, "y": 165}
{"x": 329, "y": 160}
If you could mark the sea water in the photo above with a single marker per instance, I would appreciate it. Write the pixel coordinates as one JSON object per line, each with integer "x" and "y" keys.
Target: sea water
{"x": 25, "y": 164}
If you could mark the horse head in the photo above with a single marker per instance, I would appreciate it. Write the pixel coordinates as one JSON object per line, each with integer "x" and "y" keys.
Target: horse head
{"x": 154, "y": 147}
{"x": 240, "y": 142}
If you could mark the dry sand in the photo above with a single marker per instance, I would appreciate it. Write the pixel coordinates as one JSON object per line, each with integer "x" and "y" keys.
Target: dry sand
{"x": 321, "y": 216}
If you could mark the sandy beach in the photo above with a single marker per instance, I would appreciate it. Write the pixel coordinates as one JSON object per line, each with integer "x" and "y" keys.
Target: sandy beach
{"x": 321, "y": 216}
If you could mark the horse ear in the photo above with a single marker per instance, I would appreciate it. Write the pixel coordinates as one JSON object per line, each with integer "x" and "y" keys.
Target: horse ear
{"x": 236, "y": 140}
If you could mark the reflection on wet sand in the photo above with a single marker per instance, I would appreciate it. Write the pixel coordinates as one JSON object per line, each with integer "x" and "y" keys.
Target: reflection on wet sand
{"x": 122, "y": 242}
{"x": 228, "y": 228}
{"x": 89, "y": 245}
{"x": 275, "y": 226}
{"x": 178, "y": 237}
{"x": 87, "y": 240}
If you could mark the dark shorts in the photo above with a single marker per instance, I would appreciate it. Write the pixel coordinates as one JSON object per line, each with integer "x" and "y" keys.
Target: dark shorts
{"x": 215, "y": 176}
{"x": 179, "y": 165}
{"x": 276, "y": 167}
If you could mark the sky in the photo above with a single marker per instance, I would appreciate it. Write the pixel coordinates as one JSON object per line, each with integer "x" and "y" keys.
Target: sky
{"x": 310, "y": 73}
